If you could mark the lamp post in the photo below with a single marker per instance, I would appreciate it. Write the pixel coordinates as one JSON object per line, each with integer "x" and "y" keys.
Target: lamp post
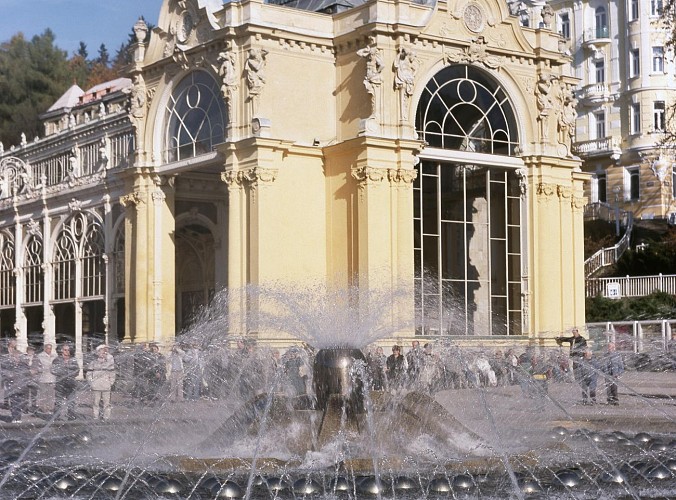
{"x": 617, "y": 190}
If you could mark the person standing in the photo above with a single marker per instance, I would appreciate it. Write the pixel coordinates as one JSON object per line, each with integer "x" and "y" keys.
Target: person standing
{"x": 612, "y": 366}
{"x": 101, "y": 377}
{"x": 46, "y": 379}
{"x": 33, "y": 364}
{"x": 15, "y": 377}
{"x": 414, "y": 361}
{"x": 157, "y": 373}
{"x": 66, "y": 369}
{"x": 588, "y": 376}
{"x": 578, "y": 346}
{"x": 396, "y": 368}
{"x": 192, "y": 364}
{"x": 176, "y": 373}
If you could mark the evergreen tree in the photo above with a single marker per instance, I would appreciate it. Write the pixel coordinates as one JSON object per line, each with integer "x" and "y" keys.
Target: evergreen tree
{"x": 33, "y": 75}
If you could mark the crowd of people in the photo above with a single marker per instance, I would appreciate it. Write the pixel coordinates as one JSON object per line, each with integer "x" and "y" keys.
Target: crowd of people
{"x": 48, "y": 382}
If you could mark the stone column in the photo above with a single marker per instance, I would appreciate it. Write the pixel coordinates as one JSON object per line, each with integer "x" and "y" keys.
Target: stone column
{"x": 236, "y": 251}
{"x": 20, "y": 323}
{"x": 49, "y": 320}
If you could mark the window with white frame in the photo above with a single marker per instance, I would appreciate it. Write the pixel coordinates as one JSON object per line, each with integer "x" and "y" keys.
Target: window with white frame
{"x": 564, "y": 25}
{"x": 600, "y": 124}
{"x": 632, "y": 183}
{"x": 658, "y": 59}
{"x": 656, "y": 7}
{"x": 634, "y": 10}
{"x": 32, "y": 271}
{"x": 635, "y": 118}
{"x": 659, "y": 116}
{"x": 634, "y": 63}
{"x": 601, "y": 23}
{"x": 600, "y": 71}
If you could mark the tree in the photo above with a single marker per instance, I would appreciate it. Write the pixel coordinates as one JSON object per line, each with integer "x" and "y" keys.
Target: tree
{"x": 33, "y": 75}
{"x": 104, "y": 57}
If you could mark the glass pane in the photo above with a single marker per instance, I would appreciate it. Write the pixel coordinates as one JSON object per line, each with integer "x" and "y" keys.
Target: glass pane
{"x": 515, "y": 323}
{"x": 498, "y": 271}
{"x": 514, "y": 239}
{"x": 499, "y": 316}
{"x": 452, "y": 193}
{"x": 453, "y": 250}
{"x": 478, "y": 314}
{"x": 431, "y": 254}
{"x": 514, "y": 273}
{"x": 430, "y": 208}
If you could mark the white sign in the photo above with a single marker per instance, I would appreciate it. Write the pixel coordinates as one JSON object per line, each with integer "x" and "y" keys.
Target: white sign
{"x": 613, "y": 290}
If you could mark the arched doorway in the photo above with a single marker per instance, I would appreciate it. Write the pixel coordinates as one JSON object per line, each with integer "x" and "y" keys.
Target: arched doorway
{"x": 195, "y": 279}
{"x": 468, "y": 208}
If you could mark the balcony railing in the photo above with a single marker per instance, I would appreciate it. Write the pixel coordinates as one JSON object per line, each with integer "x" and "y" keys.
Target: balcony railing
{"x": 594, "y": 93}
{"x": 608, "y": 256}
{"x": 598, "y": 147}
{"x": 597, "y": 34}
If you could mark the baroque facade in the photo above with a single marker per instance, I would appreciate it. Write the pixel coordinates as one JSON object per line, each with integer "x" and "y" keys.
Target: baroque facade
{"x": 628, "y": 84}
{"x": 391, "y": 142}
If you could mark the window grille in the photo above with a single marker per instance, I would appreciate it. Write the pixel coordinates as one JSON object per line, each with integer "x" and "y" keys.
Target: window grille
{"x": 118, "y": 262}
{"x": 121, "y": 149}
{"x": 93, "y": 265}
{"x": 7, "y": 276}
{"x": 89, "y": 158}
{"x": 33, "y": 272}
{"x": 64, "y": 267}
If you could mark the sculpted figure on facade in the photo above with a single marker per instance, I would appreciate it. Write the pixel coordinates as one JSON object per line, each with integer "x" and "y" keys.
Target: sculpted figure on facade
{"x": 547, "y": 14}
{"x": 567, "y": 118}
{"x": 543, "y": 95}
{"x": 254, "y": 70}
{"x": 374, "y": 72}
{"x": 138, "y": 98}
{"x": 227, "y": 72}
{"x": 405, "y": 68}
{"x": 476, "y": 53}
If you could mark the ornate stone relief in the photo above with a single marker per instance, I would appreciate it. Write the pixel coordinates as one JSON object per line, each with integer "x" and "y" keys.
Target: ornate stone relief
{"x": 132, "y": 200}
{"x": 402, "y": 175}
{"x": 33, "y": 228}
{"x": 578, "y": 202}
{"x": 253, "y": 178}
{"x": 564, "y": 192}
{"x": 546, "y": 190}
{"x": 75, "y": 205}
{"x": 227, "y": 70}
{"x": 476, "y": 53}
{"x": 544, "y": 99}
{"x": 567, "y": 116}
{"x": 474, "y": 18}
{"x": 522, "y": 175}
{"x": 374, "y": 73}
{"x": 254, "y": 70}
{"x": 405, "y": 68}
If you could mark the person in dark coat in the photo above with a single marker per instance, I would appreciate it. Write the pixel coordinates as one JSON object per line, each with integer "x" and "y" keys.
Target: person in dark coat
{"x": 156, "y": 373}
{"x": 578, "y": 346}
{"x": 15, "y": 376}
{"x": 396, "y": 368}
{"x": 612, "y": 366}
{"x": 66, "y": 369}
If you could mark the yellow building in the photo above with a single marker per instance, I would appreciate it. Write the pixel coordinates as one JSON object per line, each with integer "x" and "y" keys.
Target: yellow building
{"x": 388, "y": 143}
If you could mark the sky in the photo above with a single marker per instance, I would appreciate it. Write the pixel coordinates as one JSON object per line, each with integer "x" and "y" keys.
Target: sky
{"x": 91, "y": 21}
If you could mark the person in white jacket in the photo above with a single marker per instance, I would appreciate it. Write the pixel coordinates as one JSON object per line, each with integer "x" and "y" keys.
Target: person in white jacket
{"x": 46, "y": 379}
{"x": 101, "y": 377}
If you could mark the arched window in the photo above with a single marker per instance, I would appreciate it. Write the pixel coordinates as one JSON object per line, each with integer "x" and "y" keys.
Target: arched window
{"x": 7, "y": 277}
{"x": 467, "y": 208}
{"x": 462, "y": 108}
{"x": 196, "y": 117}
{"x": 601, "y": 23}
{"x": 64, "y": 267}
{"x": 32, "y": 271}
{"x": 78, "y": 252}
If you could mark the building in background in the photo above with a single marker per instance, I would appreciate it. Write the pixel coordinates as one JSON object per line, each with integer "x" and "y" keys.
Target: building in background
{"x": 369, "y": 146}
{"x": 627, "y": 84}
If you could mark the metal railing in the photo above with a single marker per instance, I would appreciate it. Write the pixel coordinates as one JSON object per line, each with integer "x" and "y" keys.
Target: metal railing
{"x": 604, "y": 145}
{"x": 648, "y": 336}
{"x": 631, "y": 286}
{"x": 608, "y": 256}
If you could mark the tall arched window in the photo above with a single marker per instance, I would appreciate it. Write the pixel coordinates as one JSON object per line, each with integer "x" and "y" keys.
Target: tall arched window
{"x": 7, "y": 276}
{"x": 32, "y": 271}
{"x": 467, "y": 208}
{"x": 196, "y": 117}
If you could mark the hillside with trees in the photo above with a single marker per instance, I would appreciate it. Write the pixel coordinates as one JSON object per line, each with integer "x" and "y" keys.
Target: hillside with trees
{"x": 35, "y": 73}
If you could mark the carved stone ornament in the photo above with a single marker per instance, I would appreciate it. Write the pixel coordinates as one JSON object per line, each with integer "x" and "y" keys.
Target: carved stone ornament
{"x": 227, "y": 70}
{"x": 476, "y": 53}
{"x": 366, "y": 175}
{"x": 405, "y": 68}
{"x": 75, "y": 205}
{"x": 132, "y": 199}
{"x": 474, "y": 18}
{"x": 578, "y": 202}
{"x": 522, "y": 175}
{"x": 547, "y": 190}
{"x": 402, "y": 175}
{"x": 564, "y": 192}
{"x": 33, "y": 228}
{"x": 374, "y": 73}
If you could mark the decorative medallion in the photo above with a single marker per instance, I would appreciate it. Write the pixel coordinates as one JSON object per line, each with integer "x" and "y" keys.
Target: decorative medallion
{"x": 474, "y": 18}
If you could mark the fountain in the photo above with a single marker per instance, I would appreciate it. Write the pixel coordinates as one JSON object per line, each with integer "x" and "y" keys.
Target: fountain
{"x": 265, "y": 437}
